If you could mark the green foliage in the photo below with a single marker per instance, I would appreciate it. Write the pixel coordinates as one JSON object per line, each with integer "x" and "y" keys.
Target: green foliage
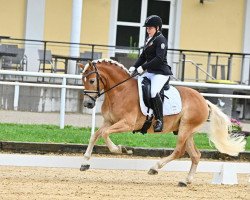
{"x": 133, "y": 53}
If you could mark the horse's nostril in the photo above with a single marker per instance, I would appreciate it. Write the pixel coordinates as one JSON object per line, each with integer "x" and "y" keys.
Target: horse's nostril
{"x": 89, "y": 104}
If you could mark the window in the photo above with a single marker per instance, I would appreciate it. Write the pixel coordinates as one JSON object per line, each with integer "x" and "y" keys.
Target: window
{"x": 131, "y": 15}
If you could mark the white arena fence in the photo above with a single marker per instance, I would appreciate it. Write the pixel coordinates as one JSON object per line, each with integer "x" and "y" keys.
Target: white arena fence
{"x": 223, "y": 172}
{"x": 64, "y": 86}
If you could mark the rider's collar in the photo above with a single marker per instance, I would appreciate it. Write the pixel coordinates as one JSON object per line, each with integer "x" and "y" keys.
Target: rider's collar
{"x": 150, "y": 42}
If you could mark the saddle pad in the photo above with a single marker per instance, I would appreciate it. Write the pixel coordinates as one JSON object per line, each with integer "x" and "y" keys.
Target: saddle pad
{"x": 172, "y": 105}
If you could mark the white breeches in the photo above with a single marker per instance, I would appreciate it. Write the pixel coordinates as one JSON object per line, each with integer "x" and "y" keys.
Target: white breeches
{"x": 157, "y": 82}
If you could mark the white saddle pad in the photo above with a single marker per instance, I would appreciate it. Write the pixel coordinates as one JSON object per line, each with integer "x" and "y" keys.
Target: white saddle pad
{"x": 172, "y": 105}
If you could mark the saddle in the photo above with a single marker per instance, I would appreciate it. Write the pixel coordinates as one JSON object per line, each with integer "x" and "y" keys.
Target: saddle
{"x": 146, "y": 88}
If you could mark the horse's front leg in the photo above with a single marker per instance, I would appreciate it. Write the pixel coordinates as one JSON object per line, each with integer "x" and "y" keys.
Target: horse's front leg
{"x": 93, "y": 138}
{"x": 121, "y": 126}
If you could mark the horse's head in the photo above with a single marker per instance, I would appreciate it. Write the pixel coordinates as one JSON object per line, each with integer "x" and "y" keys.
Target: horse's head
{"x": 92, "y": 82}
{"x": 102, "y": 74}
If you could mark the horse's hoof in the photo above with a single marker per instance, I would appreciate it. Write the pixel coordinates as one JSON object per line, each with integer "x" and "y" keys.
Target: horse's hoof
{"x": 125, "y": 150}
{"x": 152, "y": 172}
{"x": 129, "y": 152}
{"x": 182, "y": 184}
{"x": 84, "y": 167}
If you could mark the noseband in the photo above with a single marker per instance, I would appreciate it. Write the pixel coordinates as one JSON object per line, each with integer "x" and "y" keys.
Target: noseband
{"x": 99, "y": 78}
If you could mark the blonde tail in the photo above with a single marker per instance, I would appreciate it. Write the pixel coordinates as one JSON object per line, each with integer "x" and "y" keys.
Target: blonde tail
{"x": 223, "y": 141}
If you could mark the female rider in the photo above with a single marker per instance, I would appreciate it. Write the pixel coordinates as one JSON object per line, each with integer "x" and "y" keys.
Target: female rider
{"x": 153, "y": 59}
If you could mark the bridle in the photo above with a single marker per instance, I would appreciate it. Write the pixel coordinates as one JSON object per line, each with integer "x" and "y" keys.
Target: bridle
{"x": 99, "y": 78}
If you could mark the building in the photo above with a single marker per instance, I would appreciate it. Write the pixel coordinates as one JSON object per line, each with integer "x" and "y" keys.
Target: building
{"x": 200, "y": 25}
{"x": 209, "y": 25}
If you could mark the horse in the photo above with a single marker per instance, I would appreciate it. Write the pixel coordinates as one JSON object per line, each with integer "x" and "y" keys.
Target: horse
{"x": 121, "y": 112}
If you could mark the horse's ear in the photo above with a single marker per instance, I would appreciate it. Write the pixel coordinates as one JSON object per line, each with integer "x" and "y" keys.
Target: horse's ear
{"x": 80, "y": 65}
{"x": 91, "y": 66}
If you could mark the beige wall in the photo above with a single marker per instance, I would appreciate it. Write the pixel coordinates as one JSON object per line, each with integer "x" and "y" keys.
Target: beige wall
{"x": 12, "y": 18}
{"x": 96, "y": 17}
{"x": 58, "y": 20}
{"x": 95, "y": 22}
{"x": 216, "y": 25}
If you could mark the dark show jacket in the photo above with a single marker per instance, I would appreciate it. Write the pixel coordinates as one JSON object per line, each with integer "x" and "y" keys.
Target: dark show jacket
{"x": 154, "y": 56}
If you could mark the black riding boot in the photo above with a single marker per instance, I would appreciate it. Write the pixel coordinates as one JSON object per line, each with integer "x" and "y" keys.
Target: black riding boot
{"x": 158, "y": 112}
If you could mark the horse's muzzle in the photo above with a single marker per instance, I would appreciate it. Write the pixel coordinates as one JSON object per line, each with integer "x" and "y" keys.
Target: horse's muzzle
{"x": 89, "y": 104}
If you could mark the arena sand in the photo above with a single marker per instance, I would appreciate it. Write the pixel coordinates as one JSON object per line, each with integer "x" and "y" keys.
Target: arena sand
{"x": 63, "y": 183}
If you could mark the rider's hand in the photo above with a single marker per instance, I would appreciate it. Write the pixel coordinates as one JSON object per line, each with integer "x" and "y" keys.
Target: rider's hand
{"x": 131, "y": 70}
{"x": 140, "y": 70}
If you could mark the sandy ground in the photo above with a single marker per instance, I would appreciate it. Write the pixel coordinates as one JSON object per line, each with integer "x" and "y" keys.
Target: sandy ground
{"x": 53, "y": 183}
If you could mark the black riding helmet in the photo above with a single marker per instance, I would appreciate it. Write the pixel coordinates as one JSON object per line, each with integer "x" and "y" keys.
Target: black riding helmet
{"x": 153, "y": 20}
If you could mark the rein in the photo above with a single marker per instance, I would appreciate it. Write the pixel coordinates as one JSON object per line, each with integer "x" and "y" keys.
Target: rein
{"x": 98, "y": 83}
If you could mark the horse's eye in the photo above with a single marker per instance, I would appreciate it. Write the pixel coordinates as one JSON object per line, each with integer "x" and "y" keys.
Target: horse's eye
{"x": 91, "y": 81}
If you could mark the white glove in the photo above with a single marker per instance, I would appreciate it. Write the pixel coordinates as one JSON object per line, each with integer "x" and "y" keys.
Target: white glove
{"x": 140, "y": 70}
{"x": 131, "y": 70}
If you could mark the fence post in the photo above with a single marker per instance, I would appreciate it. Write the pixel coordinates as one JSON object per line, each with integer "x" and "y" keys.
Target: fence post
{"x": 44, "y": 55}
{"x": 183, "y": 67}
{"x": 92, "y": 51}
{"x": 249, "y": 74}
{"x": 16, "y": 97}
{"x": 62, "y": 106}
{"x": 229, "y": 72}
{"x": 242, "y": 68}
{"x": 93, "y": 120}
{"x": 208, "y": 65}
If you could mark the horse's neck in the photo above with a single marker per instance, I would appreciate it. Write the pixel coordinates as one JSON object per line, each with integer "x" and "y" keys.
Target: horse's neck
{"x": 123, "y": 90}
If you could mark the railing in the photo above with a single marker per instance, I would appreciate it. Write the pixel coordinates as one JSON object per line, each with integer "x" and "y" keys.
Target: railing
{"x": 236, "y": 66}
{"x": 197, "y": 67}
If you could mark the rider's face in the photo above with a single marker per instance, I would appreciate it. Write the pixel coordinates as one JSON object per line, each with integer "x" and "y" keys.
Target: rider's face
{"x": 151, "y": 30}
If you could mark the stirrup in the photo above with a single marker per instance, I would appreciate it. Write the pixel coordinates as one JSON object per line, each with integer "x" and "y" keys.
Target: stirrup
{"x": 158, "y": 126}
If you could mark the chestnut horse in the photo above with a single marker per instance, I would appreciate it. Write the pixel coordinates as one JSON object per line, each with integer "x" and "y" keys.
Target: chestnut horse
{"x": 122, "y": 113}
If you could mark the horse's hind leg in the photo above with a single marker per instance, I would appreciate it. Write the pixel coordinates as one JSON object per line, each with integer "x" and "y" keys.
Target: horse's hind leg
{"x": 195, "y": 155}
{"x": 179, "y": 150}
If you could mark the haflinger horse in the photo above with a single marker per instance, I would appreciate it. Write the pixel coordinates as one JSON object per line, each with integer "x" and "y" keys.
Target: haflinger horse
{"x": 121, "y": 112}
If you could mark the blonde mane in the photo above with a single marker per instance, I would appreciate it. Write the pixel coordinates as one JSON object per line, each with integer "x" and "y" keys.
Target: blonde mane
{"x": 107, "y": 60}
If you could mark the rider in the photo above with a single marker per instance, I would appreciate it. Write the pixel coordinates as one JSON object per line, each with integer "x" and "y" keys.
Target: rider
{"x": 154, "y": 59}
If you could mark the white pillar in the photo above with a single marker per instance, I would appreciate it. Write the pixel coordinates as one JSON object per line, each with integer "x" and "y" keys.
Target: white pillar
{"x": 35, "y": 13}
{"x": 246, "y": 42}
{"x": 174, "y": 33}
{"x": 75, "y": 32}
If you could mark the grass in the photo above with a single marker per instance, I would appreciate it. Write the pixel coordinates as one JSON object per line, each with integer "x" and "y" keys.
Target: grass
{"x": 70, "y": 134}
